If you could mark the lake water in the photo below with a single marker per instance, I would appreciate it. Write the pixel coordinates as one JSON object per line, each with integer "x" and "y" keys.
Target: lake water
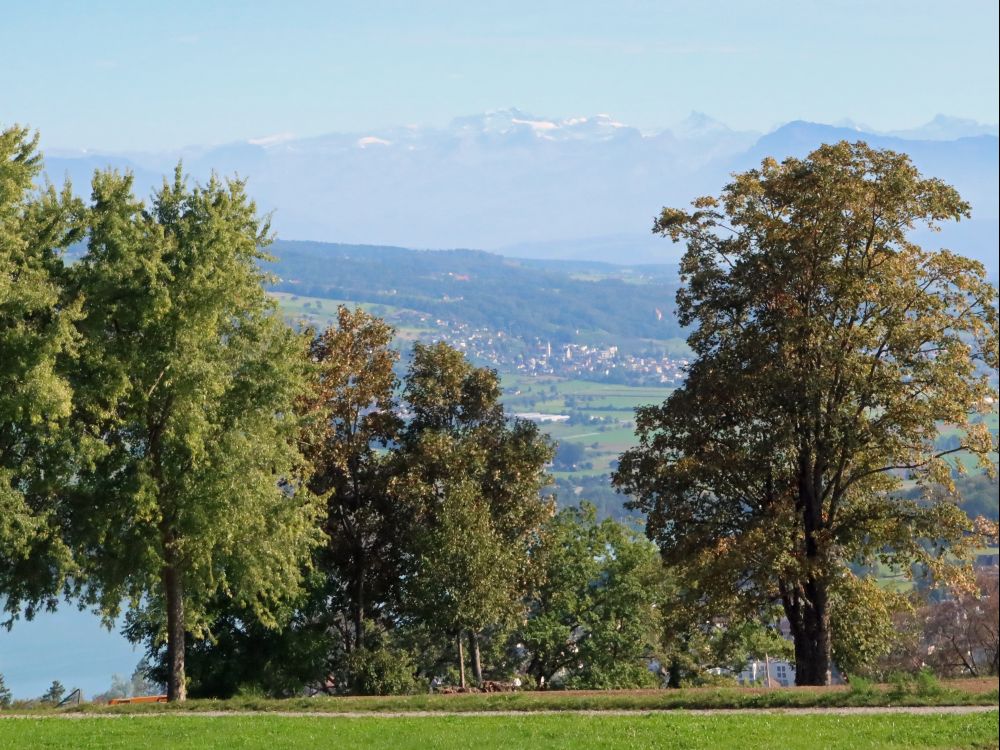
{"x": 68, "y": 645}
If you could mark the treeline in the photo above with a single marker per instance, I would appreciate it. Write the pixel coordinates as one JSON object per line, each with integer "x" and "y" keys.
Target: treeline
{"x": 253, "y": 497}
{"x": 278, "y": 510}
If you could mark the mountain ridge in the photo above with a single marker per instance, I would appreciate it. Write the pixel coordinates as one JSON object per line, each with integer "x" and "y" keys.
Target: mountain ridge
{"x": 578, "y": 188}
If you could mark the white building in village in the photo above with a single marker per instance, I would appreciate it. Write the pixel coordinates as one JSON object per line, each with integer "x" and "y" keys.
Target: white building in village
{"x": 768, "y": 673}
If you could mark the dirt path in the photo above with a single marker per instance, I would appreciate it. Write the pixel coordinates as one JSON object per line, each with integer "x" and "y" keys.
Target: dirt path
{"x": 840, "y": 711}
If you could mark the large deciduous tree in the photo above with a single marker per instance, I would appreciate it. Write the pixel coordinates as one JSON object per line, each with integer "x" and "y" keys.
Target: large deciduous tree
{"x": 470, "y": 483}
{"x": 190, "y": 382}
{"x": 829, "y": 347}
{"x": 353, "y": 419}
{"x": 37, "y": 347}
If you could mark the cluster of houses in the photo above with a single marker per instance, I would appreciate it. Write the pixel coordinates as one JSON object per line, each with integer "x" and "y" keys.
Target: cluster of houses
{"x": 603, "y": 362}
{"x": 587, "y": 361}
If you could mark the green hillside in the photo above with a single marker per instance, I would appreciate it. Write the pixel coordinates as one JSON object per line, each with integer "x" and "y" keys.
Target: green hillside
{"x": 561, "y": 302}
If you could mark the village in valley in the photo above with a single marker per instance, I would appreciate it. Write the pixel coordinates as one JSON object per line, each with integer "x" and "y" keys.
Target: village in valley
{"x": 640, "y": 363}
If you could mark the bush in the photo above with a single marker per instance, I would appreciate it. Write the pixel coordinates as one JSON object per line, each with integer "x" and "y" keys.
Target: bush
{"x": 927, "y": 683}
{"x": 382, "y": 671}
{"x": 621, "y": 675}
{"x": 900, "y": 684}
{"x": 860, "y": 686}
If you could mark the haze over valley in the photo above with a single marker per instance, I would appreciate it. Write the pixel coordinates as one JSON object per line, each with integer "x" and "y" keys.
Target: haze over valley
{"x": 528, "y": 186}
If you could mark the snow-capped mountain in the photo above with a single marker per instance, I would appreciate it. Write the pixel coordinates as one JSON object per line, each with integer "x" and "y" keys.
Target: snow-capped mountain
{"x": 944, "y": 128}
{"x": 585, "y": 187}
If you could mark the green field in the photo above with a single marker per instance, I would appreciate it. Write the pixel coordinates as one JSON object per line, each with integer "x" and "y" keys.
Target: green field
{"x": 611, "y": 408}
{"x": 322, "y": 312}
{"x": 743, "y": 731}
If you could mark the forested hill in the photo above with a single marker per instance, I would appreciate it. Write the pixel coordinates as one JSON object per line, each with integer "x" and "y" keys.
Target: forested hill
{"x": 555, "y": 300}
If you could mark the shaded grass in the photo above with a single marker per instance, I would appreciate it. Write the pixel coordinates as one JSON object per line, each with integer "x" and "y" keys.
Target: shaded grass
{"x": 548, "y": 731}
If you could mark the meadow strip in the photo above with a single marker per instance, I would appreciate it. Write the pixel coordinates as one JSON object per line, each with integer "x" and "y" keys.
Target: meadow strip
{"x": 967, "y": 693}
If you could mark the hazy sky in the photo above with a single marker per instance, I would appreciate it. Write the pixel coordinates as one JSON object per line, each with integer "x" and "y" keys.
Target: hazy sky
{"x": 123, "y": 75}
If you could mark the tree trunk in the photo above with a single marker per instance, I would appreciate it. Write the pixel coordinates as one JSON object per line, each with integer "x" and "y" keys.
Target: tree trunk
{"x": 477, "y": 662}
{"x": 461, "y": 661}
{"x": 174, "y": 590}
{"x": 359, "y": 609}
{"x": 806, "y": 602}
{"x": 674, "y": 674}
{"x": 809, "y": 618}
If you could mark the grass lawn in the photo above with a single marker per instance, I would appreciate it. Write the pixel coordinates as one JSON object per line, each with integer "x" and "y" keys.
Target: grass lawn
{"x": 742, "y": 731}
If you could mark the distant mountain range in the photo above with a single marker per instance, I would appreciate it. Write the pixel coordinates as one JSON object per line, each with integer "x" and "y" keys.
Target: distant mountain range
{"x": 583, "y": 188}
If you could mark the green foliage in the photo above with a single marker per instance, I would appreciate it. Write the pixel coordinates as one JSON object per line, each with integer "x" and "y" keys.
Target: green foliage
{"x": 828, "y": 349}
{"x": 469, "y": 482}
{"x": 242, "y": 655}
{"x": 863, "y": 619}
{"x": 467, "y": 575}
{"x": 927, "y": 682}
{"x": 696, "y": 646}
{"x": 6, "y": 697}
{"x": 54, "y": 694}
{"x": 594, "y": 620}
{"x": 187, "y": 385}
{"x": 38, "y": 345}
{"x": 379, "y": 668}
{"x": 431, "y": 529}
{"x": 860, "y": 686}
{"x": 351, "y": 420}
{"x": 899, "y": 683}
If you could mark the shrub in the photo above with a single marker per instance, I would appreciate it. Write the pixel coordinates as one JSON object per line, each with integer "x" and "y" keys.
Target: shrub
{"x": 382, "y": 671}
{"x": 927, "y": 682}
{"x": 860, "y": 686}
{"x": 900, "y": 684}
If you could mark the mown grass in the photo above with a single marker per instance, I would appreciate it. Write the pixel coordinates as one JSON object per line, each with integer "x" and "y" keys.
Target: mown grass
{"x": 744, "y": 731}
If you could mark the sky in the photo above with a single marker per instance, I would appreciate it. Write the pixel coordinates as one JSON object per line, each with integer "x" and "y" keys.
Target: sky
{"x": 68, "y": 645}
{"x": 122, "y": 75}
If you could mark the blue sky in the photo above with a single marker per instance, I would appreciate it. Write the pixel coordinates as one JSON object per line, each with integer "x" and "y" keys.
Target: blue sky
{"x": 128, "y": 75}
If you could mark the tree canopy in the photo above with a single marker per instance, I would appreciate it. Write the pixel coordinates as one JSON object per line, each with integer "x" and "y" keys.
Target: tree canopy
{"x": 38, "y": 343}
{"x": 596, "y": 617}
{"x": 186, "y": 392}
{"x": 470, "y": 482}
{"x": 353, "y": 418}
{"x": 828, "y": 349}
